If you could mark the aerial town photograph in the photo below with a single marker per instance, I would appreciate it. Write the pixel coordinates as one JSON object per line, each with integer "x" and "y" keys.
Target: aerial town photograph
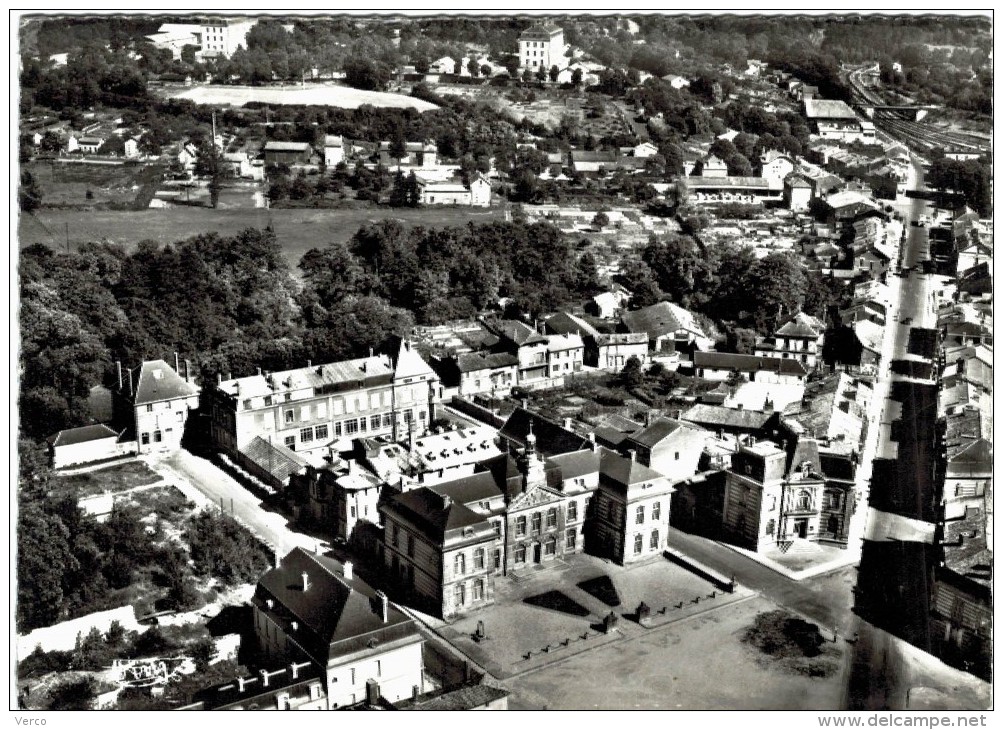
{"x": 574, "y": 360}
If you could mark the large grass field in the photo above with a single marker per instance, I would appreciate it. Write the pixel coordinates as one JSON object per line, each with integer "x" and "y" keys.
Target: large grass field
{"x": 314, "y": 94}
{"x": 67, "y": 183}
{"x": 298, "y": 230}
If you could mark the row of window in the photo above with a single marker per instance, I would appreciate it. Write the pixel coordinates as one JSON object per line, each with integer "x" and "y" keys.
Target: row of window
{"x": 144, "y": 438}
{"x": 476, "y": 592}
{"x": 656, "y": 510}
{"x": 639, "y": 542}
{"x": 349, "y": 428}
{"x": 537, "y": 519}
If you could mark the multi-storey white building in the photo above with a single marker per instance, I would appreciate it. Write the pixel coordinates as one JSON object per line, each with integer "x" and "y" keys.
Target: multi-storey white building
{"x": 322, "y": 408}
{"x": 541, "y": 47}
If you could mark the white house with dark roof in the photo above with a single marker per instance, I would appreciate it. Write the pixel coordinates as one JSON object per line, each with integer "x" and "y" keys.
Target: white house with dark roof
{"x": 800, "y": 338}
{"x": 156, "y": 401}
{"x": 322, "y": 407}
{"x": 310, "y": 608}
{"x": 542, "y": 46}
{"x": 88, "y": 444}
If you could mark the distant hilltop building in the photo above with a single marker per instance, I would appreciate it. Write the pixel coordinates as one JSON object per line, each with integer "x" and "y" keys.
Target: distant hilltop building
{"x": 212, "y": 37}
{"x": 542, "y": 46}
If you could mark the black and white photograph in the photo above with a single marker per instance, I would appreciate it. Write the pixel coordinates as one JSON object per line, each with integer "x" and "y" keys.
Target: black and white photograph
{"x": 502, "y": 360}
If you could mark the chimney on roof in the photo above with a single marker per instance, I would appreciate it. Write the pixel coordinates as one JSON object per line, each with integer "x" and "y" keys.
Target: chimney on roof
{"x": 632, "y": 454}
{"x": 294, "y": 669}
{"x": 118, "y": 372}
{"x": 130, "y": 381}
{"x": 188, "y": 370}
{"x": 372, "y": 692}
{"x": 567, "y": 423}
{"x": 219, "y": 378}
{"x": 306, "y": 581}
{"x": 648, "y": 418}
{"x": 347, "y": 570}
{"x": 241, "y": 681}
{"x": 259, "y": 371}
{"x": 384, "y": 606}
{"x": 177, "y": 364}
{"x": 264, "y": 677}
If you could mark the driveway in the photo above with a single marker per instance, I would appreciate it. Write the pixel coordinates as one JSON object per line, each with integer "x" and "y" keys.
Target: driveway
{"x": 206, "y": 483}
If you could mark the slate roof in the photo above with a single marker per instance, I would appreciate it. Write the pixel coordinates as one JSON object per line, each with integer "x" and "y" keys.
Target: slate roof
{"x": 661, "y": 319}
{"x": 802, "y": 325}
{"x": 517, "y": 332}
{"x": 470, "y": 362}
{"x": 277, "y": 459}
{"x": 654, "y": 433}
{"x": 619, "y": 423}
{"x": 434, "y": 514}
{"x": 610, "y": 437}
{"x": 158, "y": 382}
{"x": 974, "y": 458}
{"x": 710, "y": 415}
{"x": 575, "y": 463}
{"x": 747, "y": 363}
{"x": 622, "y": 470}
{"x": 465, "y": 698}
{"x": 564, "y": 323}
{"x": 347, "y": 374}
{"x": 551, "y": 438}
{"x": 332, "y": 608}
{"x": 82, "y": 435}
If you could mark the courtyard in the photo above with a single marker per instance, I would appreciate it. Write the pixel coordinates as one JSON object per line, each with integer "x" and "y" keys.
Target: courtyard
{"x": 698, "y": 663}
{"x": 547, "y": 615}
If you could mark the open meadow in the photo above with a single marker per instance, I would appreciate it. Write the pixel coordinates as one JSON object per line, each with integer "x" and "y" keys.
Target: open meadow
{"x": 298, "y": 229}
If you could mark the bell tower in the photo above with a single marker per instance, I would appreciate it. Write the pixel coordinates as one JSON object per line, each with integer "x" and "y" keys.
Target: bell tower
{"x": 530, "y": 463}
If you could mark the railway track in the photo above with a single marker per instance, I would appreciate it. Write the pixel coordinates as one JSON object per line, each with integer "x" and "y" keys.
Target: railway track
{"x": 921, "y": 137}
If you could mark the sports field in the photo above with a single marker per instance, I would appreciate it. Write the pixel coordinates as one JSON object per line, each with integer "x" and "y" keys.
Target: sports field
{"x": 312, "y": 94}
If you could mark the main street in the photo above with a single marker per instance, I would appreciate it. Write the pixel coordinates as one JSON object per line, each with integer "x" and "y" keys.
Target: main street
{"x": 880, "y": 677}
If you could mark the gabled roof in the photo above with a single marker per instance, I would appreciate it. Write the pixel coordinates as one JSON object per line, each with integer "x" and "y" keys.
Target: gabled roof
{"x": 333, "y": 140}
{"x": 661, "y": 319}
{"x": 469, "y": 362}
{"x": 711, "y": 416}
{"x": 406, "y": 361}
{"x": 654, "y": 433}
{"x": 82, "y": 435}
{"x": 465, "y": 698}
{"x": 277, "y": 459}
{"x": 158, "y": 381}
{"x": 622, "y": 470}
{"x": 802, "y": 325}
{"x": 517, "y": 332}
{"x": 575, "y": 464}
{"x": 978, "y": 453}
{"x": 747, "y": 363}
{"x": 564, "y": 323}
{"x": 551, "y": 438}
{"x": 332, "y": 608}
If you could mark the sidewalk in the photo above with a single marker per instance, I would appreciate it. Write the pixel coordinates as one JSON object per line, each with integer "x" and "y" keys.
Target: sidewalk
{"x": 830, "y": 559}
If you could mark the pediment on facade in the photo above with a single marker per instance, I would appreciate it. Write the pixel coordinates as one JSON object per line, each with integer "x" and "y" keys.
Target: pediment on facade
{"x": 534, "y": 497}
